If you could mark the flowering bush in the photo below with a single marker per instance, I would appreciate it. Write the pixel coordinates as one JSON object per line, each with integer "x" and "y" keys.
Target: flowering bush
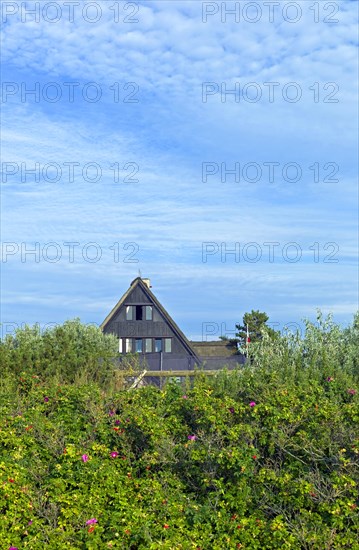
{"x": 261, "y": 458}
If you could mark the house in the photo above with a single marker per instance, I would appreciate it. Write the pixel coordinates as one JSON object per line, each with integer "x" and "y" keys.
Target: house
{"x": 143, "y": 326}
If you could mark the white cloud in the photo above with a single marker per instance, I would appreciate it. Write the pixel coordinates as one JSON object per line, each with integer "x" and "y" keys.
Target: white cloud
{"x": 169, "y": 133}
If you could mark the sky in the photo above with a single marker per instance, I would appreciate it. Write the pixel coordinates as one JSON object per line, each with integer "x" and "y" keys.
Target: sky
{"x": 209, "y": 146}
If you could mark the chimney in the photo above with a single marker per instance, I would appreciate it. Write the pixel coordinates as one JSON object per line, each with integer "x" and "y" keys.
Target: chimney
{"x": 147, "y": 282}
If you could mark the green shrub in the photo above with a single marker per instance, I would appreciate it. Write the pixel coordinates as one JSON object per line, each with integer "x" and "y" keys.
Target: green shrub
{"x": 265, "y": 457}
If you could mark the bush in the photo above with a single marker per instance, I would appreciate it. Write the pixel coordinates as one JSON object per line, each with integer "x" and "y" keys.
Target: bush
{"x": 69, "y": 351}
{"x": 265, "y": 457}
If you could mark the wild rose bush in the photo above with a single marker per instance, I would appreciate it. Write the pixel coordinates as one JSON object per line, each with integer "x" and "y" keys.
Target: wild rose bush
{"x": 261, "y": 458}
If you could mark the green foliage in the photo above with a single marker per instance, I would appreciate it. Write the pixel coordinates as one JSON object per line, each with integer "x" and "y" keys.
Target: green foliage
{"x": 70, "y": 351}
{"x": 264, "y": 458}
{"x": 257, "y": 325}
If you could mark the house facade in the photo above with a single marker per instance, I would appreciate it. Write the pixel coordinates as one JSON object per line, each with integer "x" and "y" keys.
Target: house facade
{"x": 143, "y": 326}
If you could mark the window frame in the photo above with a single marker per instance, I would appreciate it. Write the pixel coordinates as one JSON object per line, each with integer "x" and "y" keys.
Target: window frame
{"x": 167, "y": 340}
{"x": 150, "y": 340}
{"x": 128, "y": 345}
{"x": 138, "y": 313}
{"x": 161, "y": 345}
{"x": 138, "y": 341}
{"x": 150, "y": 310}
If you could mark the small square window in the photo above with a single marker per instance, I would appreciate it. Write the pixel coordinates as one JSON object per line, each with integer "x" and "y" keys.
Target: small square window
{"x": 148, "y": 345}
{"x": 129, "y": 313}
{"x": 168, "y": 345}
{"x": 158, "y": 344}
{"x": 138, "y": 345}
{"x": 148, "y": 313}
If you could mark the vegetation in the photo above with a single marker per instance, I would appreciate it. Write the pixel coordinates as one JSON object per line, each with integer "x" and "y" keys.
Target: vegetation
{"x": 265, "y": 457}
{"x": 256, "y": 323}
{"x": 69, "y": 351}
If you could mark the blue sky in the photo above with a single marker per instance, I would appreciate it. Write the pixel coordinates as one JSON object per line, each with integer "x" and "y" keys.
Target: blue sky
{"x": 130, "y": 137}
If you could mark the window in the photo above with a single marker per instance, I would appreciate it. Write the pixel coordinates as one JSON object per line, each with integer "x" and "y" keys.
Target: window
{"x": 158, "y": 344}
{"x": 129, "y": 313}
{"x": 128, "y": 345}
{"x": 148, "y": 345}
{"x": 139, "y": 313}
{"x": 138, "y": 345}
{"x": 168, "y": 345}
{"x": 120, "y": 345}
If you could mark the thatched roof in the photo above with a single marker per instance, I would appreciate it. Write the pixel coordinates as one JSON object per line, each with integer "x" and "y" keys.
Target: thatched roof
{"x": 218, "y": 348}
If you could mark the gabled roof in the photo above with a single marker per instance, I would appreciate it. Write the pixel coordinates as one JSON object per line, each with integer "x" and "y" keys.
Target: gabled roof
{"x": 139, "y": 282}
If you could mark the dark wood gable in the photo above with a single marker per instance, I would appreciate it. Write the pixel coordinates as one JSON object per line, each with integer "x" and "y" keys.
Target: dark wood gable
{"x": 139, "y": 316}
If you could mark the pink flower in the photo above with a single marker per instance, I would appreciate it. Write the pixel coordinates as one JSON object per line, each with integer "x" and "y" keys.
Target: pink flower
{"x": 192, "y": 437}
{"x": 114, "y": 454}
{"x": 84, "y": 458}
{"x": 117, "y": 422}
{"x": 91, "y": 521}
{"x": 252, "y": 404}
{"x": 13, "y": 548}
{"x": 46, "y": 399}
{"x": 330, "y": 379}
{"x": 184, "y": 397}
{"x": 111, "y": 413}
{"x": 231, "y": 410}
{"x": 352, "y": 392}
{"x": 30, "y": 522}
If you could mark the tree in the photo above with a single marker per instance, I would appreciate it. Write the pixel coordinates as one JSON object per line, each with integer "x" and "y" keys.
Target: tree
{"x": 69, "y": 350}
{"x": 257, "y": 323}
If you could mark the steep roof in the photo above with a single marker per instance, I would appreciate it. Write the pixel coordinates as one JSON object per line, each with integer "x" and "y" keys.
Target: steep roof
{"x": 144, "y": 287}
